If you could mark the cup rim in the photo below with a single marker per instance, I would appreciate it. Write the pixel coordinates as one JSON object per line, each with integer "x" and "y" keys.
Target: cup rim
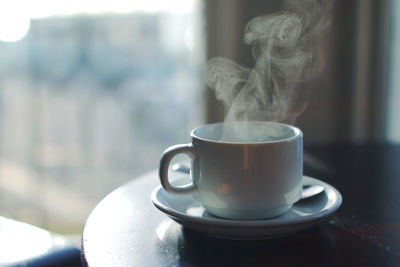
{"x": 297, "y": 131}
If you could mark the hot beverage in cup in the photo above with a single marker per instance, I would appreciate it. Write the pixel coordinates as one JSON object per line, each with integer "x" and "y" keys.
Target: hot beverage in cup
{"x": 242, "y": 170}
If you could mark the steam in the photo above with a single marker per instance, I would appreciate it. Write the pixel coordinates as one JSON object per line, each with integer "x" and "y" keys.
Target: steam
{"x": 286, "y": 51}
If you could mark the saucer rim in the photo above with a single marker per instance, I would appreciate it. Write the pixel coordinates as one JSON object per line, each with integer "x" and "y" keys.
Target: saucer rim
{"x": 271, "y": 222}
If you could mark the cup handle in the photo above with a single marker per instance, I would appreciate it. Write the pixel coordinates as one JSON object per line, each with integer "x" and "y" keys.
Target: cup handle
{"x": 166, "y": 158}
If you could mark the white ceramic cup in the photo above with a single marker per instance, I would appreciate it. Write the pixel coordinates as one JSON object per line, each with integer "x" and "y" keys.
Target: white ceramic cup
{"x": 244, "y": 170}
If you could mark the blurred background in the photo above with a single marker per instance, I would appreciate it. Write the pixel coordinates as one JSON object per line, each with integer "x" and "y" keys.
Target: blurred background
{"x": 91, "y": 93}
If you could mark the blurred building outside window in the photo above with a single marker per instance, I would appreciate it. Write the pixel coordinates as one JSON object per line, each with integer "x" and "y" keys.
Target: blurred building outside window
{"x": 91, "y": 93}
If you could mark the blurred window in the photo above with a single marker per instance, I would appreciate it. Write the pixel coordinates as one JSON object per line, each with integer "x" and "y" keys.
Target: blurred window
{"x": 394, "y": 92}
{"x": 91, "y": 93}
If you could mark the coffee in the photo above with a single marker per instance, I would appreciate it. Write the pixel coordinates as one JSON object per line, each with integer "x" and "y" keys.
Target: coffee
{"x": 245, "y": 132}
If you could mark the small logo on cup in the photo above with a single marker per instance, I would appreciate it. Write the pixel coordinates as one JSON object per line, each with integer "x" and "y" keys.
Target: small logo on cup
{"x": 224, "y": 189}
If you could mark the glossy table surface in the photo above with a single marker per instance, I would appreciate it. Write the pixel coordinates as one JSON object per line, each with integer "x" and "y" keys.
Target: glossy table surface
{"x": 125, "y": 229}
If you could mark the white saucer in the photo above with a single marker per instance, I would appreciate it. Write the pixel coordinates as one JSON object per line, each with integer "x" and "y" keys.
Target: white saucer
{"x": 187, "y": 211}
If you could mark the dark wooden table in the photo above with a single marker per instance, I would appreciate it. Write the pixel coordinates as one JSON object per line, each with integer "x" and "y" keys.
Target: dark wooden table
{"x": 125, "y": 229}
